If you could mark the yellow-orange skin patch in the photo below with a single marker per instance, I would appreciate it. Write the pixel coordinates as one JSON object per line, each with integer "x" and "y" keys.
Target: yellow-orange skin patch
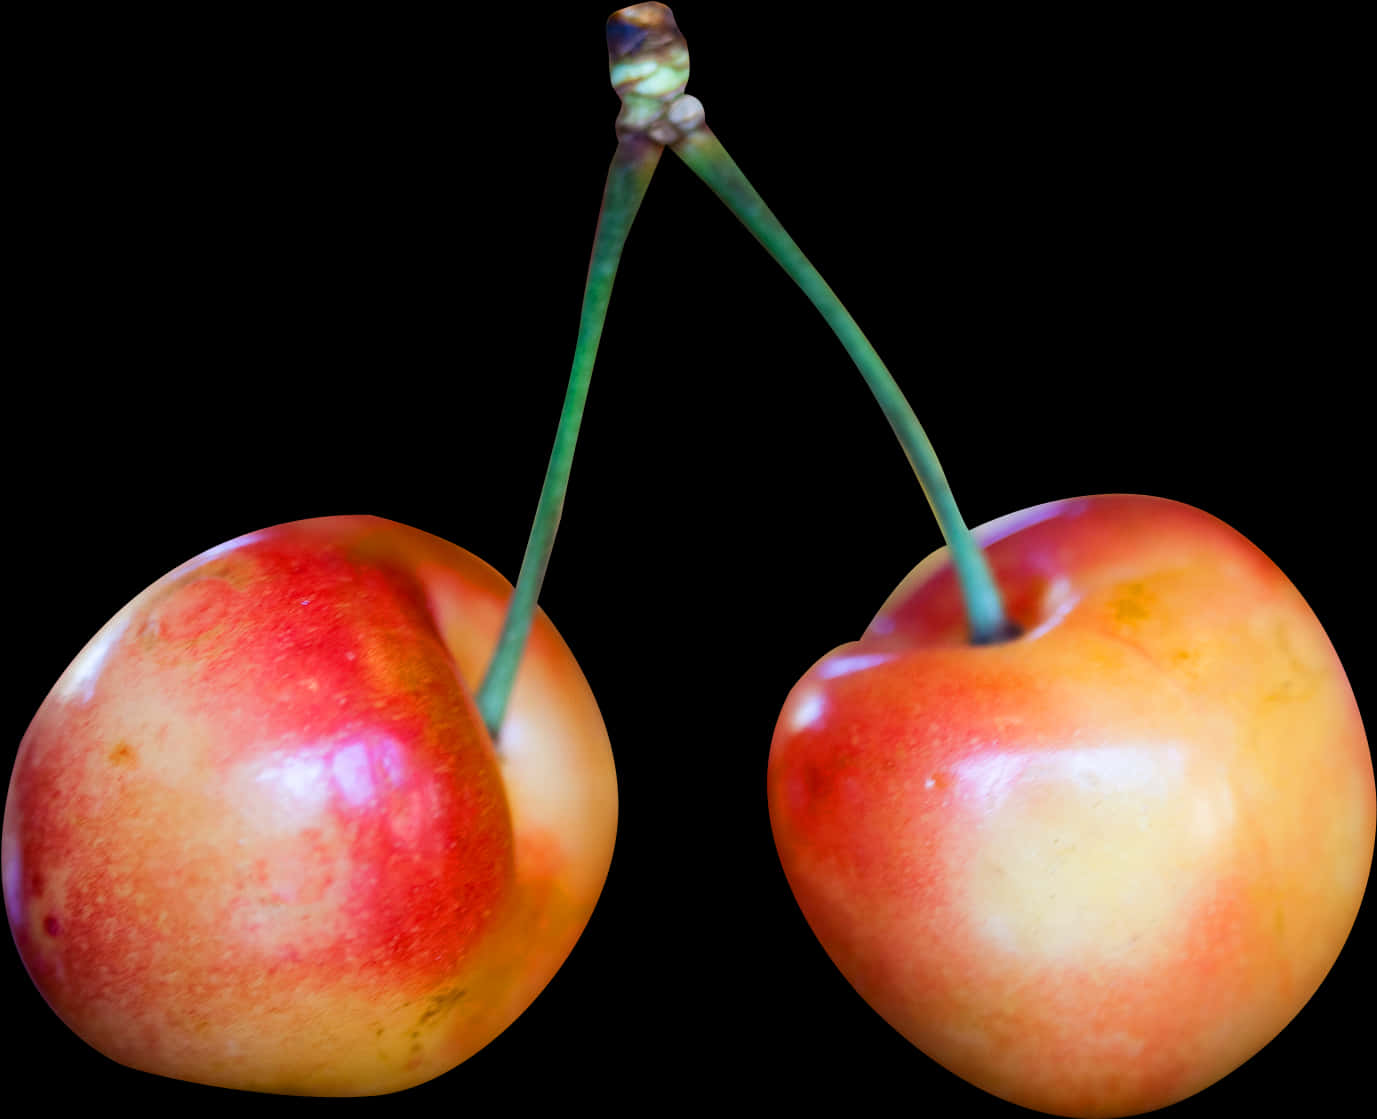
{"x": 1094, "y": 869}
{"x": 258, "y": 837}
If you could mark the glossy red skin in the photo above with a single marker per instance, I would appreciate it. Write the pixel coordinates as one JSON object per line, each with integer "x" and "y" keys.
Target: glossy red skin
{"x": 257, "y": 835}
{"x": 1094, "y": 869}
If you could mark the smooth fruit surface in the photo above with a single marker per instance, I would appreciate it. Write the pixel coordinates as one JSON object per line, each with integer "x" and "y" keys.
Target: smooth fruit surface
{"x": 1095, "y": 868}
{"x": 257, "y": 835}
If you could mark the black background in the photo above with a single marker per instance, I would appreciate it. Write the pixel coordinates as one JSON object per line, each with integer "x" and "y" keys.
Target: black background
{"x": 277, "y": 269}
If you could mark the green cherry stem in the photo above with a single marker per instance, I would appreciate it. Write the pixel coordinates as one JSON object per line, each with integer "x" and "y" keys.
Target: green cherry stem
{"x": 649, "y": 67}
{"x": 693, "y": 142}
{"x": 984, "y": 605}
{"x": 633, "y": 164}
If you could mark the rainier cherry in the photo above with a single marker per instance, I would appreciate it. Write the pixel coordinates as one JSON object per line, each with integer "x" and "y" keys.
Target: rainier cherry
{"x": 258, "y": 835}
{"x": 269, "y": 831}
{"x": 1087, "y": 815}
{"x": 1094, "y": 868}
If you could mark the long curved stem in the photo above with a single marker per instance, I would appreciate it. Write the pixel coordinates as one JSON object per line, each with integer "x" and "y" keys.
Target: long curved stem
{"x": 633, "y": 164}
{"x": 984, "y": 605}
